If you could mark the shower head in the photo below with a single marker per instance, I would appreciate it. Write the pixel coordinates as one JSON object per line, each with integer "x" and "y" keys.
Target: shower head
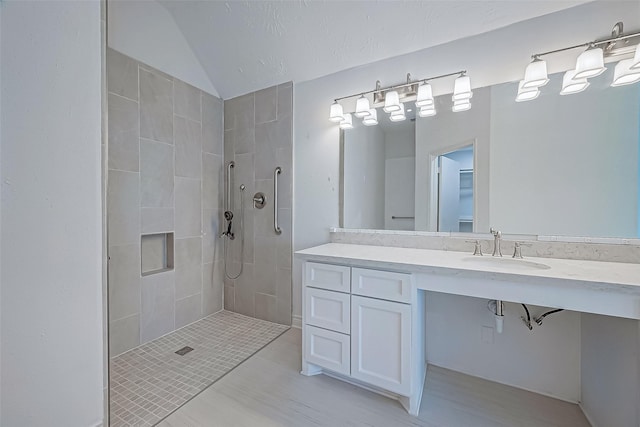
{"x": 228, "y": 215}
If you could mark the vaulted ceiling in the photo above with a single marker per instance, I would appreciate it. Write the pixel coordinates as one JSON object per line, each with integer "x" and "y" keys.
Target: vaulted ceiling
{"x": 248, "y": 45}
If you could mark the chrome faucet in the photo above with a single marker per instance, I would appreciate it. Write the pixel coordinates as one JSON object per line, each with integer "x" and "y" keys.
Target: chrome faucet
{"x": 497, "y": 237}
{"x": 477, "y": 249}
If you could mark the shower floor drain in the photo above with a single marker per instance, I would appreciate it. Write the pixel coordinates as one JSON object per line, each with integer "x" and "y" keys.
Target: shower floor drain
{"x": 184, "y": 350}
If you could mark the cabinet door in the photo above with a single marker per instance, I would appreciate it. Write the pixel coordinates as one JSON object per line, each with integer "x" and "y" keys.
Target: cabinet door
{"x": 327, "y": 349}
{"x": 328, "y": 309}
{"x": 328, "y": 276}
{"x": 381, "y": 343}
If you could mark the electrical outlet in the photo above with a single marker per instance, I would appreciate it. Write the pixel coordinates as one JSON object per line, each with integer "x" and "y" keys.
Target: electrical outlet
{"x": 486, "y": 334}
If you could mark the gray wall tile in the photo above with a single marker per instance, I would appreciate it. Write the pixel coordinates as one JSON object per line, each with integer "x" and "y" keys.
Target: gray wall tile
{"x": 266, "y": 307}
{"x": 212, "y": 181}
{"x": 122, "y": 208}
{"x": 245, "y": 140}
{"x": 122, "y": 75}
{"x": 188, "y": 280}
{"x": 212, "y": 287}
{"x": 239, "y": 112}
{"x": 156, "y": 174}
{"x": 124, "y": 281}
{"x": 188, "y": 142}
{"x": 188, "y": 310}
{"x": 124, "y": 134}
{"x": 124, "y": 334}
{"x": 188, "y": 252}
{"x": 212, "y": 243}
{"x": 229, "y": 298}
{"x": 245, "y": 292}
{"x": 212, "y": 124}
{"x": 156, "y": 107}
{"x": 156, "y": 220}
{"x": 285, "y": 101}
{"x": 283, "y": 294}
{"x": 266, "y": 101}
{"x": 158, "y": 306}
{"x": 186, "y": 100}
{"x": 188, "y": 207}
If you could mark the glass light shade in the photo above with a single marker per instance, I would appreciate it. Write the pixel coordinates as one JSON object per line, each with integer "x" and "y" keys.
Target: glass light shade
{"x": 462, "y": 88}
{"x": 391, "y": 102}
{"x": 347, "y": 123}
{"x": 398, "y": 116}
{"x": 425, "y": 95}
{"x": 462, "y": 105}
{"x": 590, "y": 63}
{"x": 427, "y": 111}
{"x": 526, "y": 94}
{"x": 572, "y": 85}
{"x": 362, "y": 107}
{"x": 371, "y": 119}
{"x": 636, "y": 59}
{"x": 336, "y": 115}
{"x": 535, "y": 75}
{"x": 624, "y": 75}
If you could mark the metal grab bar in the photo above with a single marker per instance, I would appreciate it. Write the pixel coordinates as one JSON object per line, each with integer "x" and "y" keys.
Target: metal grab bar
{"x": 402, "y": 217}
{"x": 231, "y": 165}
{"x": 276, "y": 227}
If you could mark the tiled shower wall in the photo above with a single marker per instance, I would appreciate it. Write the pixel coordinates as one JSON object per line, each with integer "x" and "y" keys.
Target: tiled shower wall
{"x": 165, "y": 175}
{"x": 258, "y": 137}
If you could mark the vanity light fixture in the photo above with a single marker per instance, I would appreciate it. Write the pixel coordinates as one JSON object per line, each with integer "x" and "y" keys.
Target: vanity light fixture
{"x": 391, "y": 102}
{"x": 347, "y": 123}
{"x": 624, "y": 75}
{"x": 362, "y": 107}
{"x": 535, "y": 75}
{"x": 425, "y": 96}
{"x": 336, "y": 114}
{"x": 372, "y": 118}
{"x": 392, "y": 99}
{"x": 571, "y": 85}
{"x": 462, "y": 88}
{"x": 526, "y": 94}
{"x": 462, "y": 105}
{"x": 589, "y": 64}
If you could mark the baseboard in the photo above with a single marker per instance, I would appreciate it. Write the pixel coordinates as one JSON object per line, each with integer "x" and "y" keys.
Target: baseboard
{"x": 296, "y": 322}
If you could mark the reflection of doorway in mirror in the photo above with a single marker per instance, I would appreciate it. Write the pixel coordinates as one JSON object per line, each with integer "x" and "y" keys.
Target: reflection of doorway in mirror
{"x": 455, "y": 190}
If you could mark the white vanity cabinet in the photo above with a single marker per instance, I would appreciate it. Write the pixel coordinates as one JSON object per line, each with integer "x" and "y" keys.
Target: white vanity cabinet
{"x": 360, "y": 324}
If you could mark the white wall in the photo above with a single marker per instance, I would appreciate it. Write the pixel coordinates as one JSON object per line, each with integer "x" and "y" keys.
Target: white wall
{"x": 51, "y": 256}
{"x": 316, "y": 140}
{"x": 545, "y": 360}
{"x": 144, "y": 30}
{"x": 364, "y": 174}
{"x": 610, "y": 370}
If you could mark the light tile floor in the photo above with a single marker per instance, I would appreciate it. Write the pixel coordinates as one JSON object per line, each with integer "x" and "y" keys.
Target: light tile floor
{"x": 151, "y": 381}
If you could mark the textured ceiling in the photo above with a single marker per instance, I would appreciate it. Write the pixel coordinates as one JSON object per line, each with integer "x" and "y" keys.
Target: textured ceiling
{"x": 249, "y": 45}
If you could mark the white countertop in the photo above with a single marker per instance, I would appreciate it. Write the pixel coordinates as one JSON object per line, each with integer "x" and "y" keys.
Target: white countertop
{"x": 610, "y": 276}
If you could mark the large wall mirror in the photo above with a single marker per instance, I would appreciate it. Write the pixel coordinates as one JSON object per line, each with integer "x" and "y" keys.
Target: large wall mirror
{"x": 557, "y": 165}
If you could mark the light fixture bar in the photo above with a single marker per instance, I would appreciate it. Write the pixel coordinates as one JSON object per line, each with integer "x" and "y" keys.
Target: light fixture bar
{"x": 400, "y": 86}
{"x": 594, "y": 43}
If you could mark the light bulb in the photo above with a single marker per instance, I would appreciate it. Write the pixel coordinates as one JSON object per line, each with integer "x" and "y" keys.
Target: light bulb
{"x": 398, "y": 116}
{"x": 636, "y": 59}
{"x": 589, "y": 64}
{"x": 525, "y": 94}
{"x": 535, "y": 75}
{"x": 427, "y": 111}
{"x": 391, "y": 102}
{"x": 362, "y": 107}
{"x": 425, "y": 95}
{"x": 572, "y": 85}
{"x": 462, "y": 88}
{"x": 462, "y": 105}
{"x": 336, "y": 115}
{"x": 624, "y": 75}
{"x": 371, "y": 119}
{"x": 347, "y": 123}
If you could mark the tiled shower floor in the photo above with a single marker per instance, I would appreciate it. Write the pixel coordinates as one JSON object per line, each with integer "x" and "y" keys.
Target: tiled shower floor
{"x": 151, "y": 381}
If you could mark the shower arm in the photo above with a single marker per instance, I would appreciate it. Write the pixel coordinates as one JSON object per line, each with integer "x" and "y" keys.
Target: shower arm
{"x": 231, "y": 165}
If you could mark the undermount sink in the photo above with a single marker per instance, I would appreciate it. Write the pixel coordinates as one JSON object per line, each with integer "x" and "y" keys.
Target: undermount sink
{"x": 509, "y": 263}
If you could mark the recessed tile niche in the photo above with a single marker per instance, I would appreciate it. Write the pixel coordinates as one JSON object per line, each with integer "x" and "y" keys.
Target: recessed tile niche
{"x": 156, "y": 253}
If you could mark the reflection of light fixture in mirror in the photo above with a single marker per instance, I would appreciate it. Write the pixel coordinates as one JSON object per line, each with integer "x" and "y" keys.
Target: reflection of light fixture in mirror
{"x": 535, "y": 75}
{"x": 425, "y": 95}
{"x": 371, "y": 119}
{"x": 336, "y": 115}
{"x": 462, "y": 88}
{"x": 391, "y": 102}
{"x": 427, "y": 111}
{"x": 362, "y": 107}
{"x": 462, "y": 105}
{"x": 589, "y": 64}
{"x": 636, "y": 59}
{"x": 347, "y": 123}
{"x": 398, "y": 116}
{"x": 526, "y": 94}
{"x": 572, "y": 85}
{"x": 624, "y": 75}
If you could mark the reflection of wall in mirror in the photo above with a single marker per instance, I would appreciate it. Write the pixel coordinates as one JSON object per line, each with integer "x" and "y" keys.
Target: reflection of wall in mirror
{"x": 400, "y": 165}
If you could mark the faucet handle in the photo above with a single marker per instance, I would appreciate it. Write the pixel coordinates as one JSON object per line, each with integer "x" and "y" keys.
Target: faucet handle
{"x": 477, "y": 250}
{"x": 517, "y": 249}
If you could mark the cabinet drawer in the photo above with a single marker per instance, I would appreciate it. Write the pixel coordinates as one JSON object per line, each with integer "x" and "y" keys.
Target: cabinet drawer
{"x": 328, "y": 276}
{"x": 381, "y": 284}
{"x": 328, "y": 349}
{"x": 328, "y": 309}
